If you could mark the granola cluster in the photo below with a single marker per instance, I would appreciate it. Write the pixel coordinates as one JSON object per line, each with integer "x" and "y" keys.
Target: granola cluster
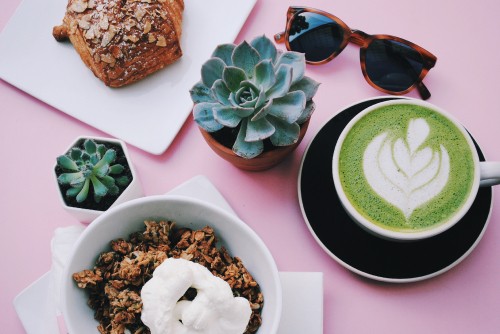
{"x": 114, "y": 284}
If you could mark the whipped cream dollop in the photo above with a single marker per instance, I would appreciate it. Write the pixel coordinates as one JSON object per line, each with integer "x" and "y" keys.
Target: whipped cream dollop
{"x": 214, "y": 310}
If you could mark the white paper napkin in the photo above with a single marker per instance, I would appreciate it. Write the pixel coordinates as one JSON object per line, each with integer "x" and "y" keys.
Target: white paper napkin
{"x": 302, "y": 291}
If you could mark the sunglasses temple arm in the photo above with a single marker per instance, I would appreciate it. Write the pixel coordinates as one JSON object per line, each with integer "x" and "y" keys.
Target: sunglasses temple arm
{"x": 423, "y": 91}
{"x": 280, "y": 37}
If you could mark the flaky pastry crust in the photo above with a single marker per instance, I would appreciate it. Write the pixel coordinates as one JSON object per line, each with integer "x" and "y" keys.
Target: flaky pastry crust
{"x": 123, "y": 41}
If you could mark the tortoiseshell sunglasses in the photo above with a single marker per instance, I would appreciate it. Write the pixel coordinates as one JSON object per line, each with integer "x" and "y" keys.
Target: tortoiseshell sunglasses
{"x": 390, "y": 64}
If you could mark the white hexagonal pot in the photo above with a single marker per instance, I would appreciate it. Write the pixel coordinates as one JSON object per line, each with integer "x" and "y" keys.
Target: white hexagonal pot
{"x": 133, "y": 189}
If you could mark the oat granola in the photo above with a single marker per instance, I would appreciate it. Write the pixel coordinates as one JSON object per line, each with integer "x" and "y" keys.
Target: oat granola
{"x": 115, "y": 282}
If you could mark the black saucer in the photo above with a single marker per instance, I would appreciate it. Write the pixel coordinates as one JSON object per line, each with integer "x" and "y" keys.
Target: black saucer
{"x": 357, "y": 249}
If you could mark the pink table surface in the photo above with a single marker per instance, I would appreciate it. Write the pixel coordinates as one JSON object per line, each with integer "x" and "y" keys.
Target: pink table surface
{"x": 466, "y": 299}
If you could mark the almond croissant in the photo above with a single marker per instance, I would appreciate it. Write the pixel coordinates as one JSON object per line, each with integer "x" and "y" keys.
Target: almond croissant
{"x": 123, "y": 41}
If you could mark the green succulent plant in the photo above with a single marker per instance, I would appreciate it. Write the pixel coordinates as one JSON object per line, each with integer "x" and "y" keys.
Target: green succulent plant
{"x": 91, "y": 164}
{"x": 256, "y": 89}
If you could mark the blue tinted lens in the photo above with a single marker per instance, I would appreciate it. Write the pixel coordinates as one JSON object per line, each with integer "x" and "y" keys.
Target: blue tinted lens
{"x": 315, "y": 35}
{"x": 392, "y": 65}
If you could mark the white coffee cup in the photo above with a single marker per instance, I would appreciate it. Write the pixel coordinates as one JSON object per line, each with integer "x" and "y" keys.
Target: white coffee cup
{"x": 484, "y": 174}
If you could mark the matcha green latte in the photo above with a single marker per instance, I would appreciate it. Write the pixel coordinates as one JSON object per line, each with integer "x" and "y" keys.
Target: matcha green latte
{"x": 405, "y": 168}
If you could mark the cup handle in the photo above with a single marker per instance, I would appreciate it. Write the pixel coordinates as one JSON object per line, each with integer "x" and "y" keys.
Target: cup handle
{"x": 490, "y": 173}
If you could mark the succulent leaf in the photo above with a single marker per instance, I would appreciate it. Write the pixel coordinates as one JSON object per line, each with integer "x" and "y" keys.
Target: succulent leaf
{"x": 226, "y": 116}
{"x": 108, "y": 181}
{"x": 82, "y": 195}
{"x": 101, "y": 171}
{"x": 73, "y": 191}
{"x": 244, "y": 149}
{"x": 296, "y": 60}
{"x": 99, "y": 188}
{"x": 76, "y": 182}
{"x": 67, "y": 178}
{"x": 308, "y": 110}
{"x": 108, "y": 157}
{"x": 262, "y": 112}
{"x": 101, "y": 149}
{"x": 75, "y": 153}
{"x": 233, "y": 76}
{"x": 224, "y": 52}
{"x": 113, "y": 190}
{"x": 94, "y": 158}
{"x": 201, "y": 93}
{"x": 245, "y": 57}
{"x": 307, "y": 85}
{"x": 211, "y": 71}
{"x": 289, "y": 107}
{"x": 221, "y": 92}
{"x": 283, "y": 82}
{"x": 264, "y": 76}
{"x": 90, "y": 146}
{"x": 259, "y": 130}
{"x": 285, "y": 134}
{"x": 204, "y": 116}
{"x": 122, "y": 181}
{"x": 261, "y": 101}
{"x": 265, "y": 48}
{"x": 116, "y": 169}
{"x": 66, "y": 163}
{"x": 230, "y": 116}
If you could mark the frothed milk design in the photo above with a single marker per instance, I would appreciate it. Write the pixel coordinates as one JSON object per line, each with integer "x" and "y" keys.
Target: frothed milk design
{"x": 406, "y": 168}
{"x": 404, "y": 173}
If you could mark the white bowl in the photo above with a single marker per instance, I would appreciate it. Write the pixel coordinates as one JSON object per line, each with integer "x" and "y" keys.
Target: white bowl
{"x": 120, "y": 221}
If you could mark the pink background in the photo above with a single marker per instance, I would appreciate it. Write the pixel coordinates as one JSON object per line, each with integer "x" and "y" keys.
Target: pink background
{"x": 466, "y": 299}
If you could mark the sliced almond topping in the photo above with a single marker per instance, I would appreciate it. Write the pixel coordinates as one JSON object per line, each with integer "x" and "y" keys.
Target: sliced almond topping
{"x": 91, "y": 33}
{"x": 91, "y": 4}
{"x": 108, "y": 35}
{"x": 131, "y": 38}
{"x": 129, "y": 24}
{"x": 85, "y": 25}
{"x": 151, "y": 38}
{"x": 104, "y": 23}
{"x": 139, "y": 13}
{"x": 147, "y": 27}
{"x": 84, "y": 22}
{"x": 97, "y": 59}
{"x": 108, "y": 58}
{"x": 78, "y": 6}
{"x": 161, "y": 41}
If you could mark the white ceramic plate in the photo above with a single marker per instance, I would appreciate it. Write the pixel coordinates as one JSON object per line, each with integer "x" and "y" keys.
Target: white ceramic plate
{"x": 147, "y": 114}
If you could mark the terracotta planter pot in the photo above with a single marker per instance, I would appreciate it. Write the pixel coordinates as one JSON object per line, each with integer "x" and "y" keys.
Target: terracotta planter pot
{"x": 263, "y": 161}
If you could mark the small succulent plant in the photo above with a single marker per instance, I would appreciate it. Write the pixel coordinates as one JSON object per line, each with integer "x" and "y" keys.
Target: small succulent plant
{"x": 91, "y": 165}
{"x": 256, "y": 89}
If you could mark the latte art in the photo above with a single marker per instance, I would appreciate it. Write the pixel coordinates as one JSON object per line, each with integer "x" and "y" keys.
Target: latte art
{"x": 402, "y": 172}
{"x": 405, "y": 168}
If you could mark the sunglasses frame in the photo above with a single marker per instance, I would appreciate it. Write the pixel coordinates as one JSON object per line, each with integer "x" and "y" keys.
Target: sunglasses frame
{"x": 363, "y": 40}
